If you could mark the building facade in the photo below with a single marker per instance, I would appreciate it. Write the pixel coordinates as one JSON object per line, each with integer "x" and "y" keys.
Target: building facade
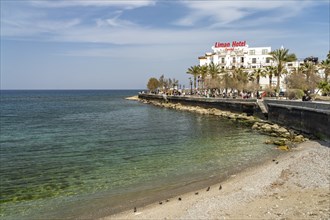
{"x": 238, "y": 54}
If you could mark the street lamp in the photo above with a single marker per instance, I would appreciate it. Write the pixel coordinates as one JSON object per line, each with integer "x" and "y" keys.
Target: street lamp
{"x": 190, "y": 85}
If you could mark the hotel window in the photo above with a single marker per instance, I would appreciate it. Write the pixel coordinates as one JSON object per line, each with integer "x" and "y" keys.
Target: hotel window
{"x": 267, "y": 59}
{"x": 252, "y": 52}
{"x": 254, "y": 60}
{"x": 222, "y": 60}
{"x": 234, "y": 59}
{"x": 264, "y": 51}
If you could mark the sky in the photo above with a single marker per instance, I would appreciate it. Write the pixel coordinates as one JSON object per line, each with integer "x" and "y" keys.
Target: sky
{"x": 103, "y": 44}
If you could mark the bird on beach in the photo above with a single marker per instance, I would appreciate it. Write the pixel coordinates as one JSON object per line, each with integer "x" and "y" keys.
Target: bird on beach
{"x": 196, "y": 193}
{"x": 179, "y": 198}
{"x": 208, "y": 189}
{"x": 220, "y": 187}
{"x": 135, "y": 209}
{"x": 160, "y": 203}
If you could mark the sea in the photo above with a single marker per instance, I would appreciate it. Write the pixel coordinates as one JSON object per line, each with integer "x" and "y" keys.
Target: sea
{"x": 90, "y": 153}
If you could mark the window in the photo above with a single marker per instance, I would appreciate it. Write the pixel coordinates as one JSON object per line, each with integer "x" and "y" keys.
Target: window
{"x": 222, "y": 60}
{"x": 268, "y": 60}
{"x": 264, "y": 51}
{"x": 252, "y": 52}
{"x": 242, "y": 59}
{"x": 289, "y": 64}
{"x": 254, "y": 60}
{"x": 254, "y": 67}
{"x": 234, "y": 59}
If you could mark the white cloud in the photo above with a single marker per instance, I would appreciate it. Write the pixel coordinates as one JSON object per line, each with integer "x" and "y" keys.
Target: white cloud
{"x": 114, "y": 22}
{"x": 95, "y": 3}
{"x": 226, "y": 12}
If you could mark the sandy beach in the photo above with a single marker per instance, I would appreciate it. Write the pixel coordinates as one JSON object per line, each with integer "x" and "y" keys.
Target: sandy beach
{"x": 295, "y": 185}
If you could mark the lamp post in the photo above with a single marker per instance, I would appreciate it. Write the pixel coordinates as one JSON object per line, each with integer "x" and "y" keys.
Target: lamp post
{"x": 190, "y": 85}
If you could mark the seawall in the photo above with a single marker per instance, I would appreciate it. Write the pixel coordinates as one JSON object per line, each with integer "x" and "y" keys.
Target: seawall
{"x": 307, "y": 117}
{"x": 247, "y": 106}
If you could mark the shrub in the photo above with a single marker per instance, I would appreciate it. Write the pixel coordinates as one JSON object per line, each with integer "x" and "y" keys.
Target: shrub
{"x": 295, "y": 94}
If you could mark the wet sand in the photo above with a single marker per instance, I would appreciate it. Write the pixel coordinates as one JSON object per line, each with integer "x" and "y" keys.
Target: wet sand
{"x": 296, "y": 185}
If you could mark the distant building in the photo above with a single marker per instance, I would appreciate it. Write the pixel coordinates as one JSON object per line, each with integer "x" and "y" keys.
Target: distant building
{"x": 238, "y": 54}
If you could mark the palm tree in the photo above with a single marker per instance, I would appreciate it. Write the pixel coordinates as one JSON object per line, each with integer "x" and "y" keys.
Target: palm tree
{"x": 226, "y": 80}
{"x": 270, "y": 71}
{"x": 194, "y": 70}
{"x": 203, "y": 72}
{"x": 281, "y": 56}
{"x": 309, "y": 70}
{"x": 214, "y": 70}
{"x": 325, "y": 64}
{"x": 257, "y": 73}
{"x": 241, "y": 78}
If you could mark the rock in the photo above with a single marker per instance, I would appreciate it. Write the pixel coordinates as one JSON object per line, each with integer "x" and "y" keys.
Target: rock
{"x": 286, "y": 135}
{"x": 299, "y": 139}
{"x": 275, "y": 127}
{"x": 268, "y": 142}
{"x": 282, "y": 130}
{"x": 266, "y": 128}
{"x": 283, "y": 147}
{"x": 280, "y": 142}
{"x": 255, "y": 126}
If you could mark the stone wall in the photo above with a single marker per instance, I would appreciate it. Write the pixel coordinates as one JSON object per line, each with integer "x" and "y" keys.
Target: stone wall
{"x": 309, "y": 117}
{"x": 247, "y": 106}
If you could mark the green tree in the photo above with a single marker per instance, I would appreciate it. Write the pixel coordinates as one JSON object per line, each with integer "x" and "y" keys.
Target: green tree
{"x": 153, "y": 84}
{"x": 194, "y": 71}
{"x": 257, "y": 73}
{"x": 325, "y": 88}
{"x": 226, "y": 80}
{"x": 296, "y": 80}
{"x": 214, "y": 70}
{"x": 203, "y": 72}
{"x": 281, "y": 56}
{"x": 240, "y": 79}
{"x": 325, "y": 65}
{"x": 270, "y": 71}
{"x": 312, "y": 79}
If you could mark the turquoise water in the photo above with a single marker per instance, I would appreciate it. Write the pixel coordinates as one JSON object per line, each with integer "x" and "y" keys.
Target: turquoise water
{"x": 85, "y": 154}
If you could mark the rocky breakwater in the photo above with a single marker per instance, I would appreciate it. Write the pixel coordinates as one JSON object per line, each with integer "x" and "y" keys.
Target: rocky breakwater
{"x": 281, "y": 136}
{"x": 284, "y": 138}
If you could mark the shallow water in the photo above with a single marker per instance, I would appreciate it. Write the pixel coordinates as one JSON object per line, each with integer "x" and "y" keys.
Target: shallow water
{"x": 72, "y": 154}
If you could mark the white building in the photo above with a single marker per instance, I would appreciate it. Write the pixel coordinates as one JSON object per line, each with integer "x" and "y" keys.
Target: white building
{"x": 238, "y": 54}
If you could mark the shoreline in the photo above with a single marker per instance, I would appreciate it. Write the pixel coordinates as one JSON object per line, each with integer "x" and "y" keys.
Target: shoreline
{"x": 279, "y": 188}
{"x": 280, "y": 194}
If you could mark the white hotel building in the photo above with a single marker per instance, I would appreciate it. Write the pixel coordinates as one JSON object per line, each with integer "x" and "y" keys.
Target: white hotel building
{"x": 239, "y": 55}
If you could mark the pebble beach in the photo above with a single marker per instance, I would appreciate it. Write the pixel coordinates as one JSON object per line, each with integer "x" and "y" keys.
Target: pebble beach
{"x": 292, "y": 186}
{"x": 296, "y": 185}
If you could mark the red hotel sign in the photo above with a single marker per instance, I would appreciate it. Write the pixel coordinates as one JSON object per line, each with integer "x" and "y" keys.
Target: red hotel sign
{"x": 233, "y": 44}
